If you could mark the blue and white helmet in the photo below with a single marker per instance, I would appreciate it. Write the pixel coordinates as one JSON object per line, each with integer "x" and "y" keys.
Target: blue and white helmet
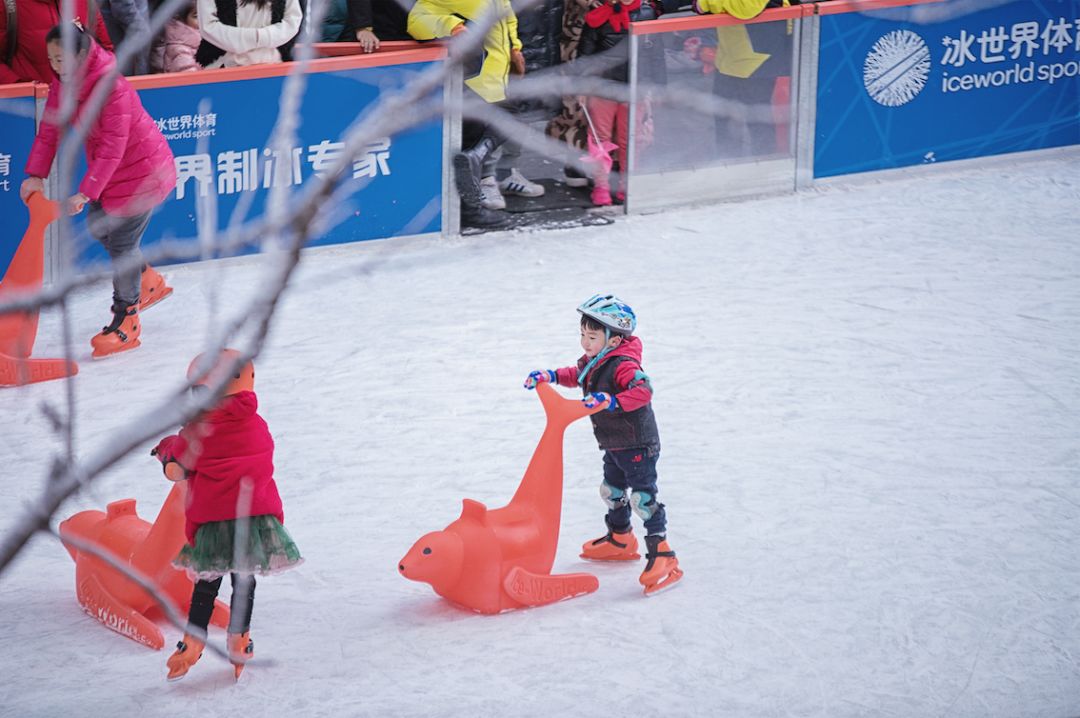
{"x": 611, "y": 312}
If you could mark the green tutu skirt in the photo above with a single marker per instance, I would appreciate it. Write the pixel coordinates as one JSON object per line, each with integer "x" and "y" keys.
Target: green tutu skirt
{"x": 269, "y": 549}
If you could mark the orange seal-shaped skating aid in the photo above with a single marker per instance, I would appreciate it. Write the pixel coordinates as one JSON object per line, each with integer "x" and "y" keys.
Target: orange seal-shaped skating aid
{"x": 500, "y": 559}
{"x": 112, "y": 598}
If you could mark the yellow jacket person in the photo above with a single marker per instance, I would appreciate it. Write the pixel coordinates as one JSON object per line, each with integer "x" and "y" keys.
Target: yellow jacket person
{"x": 431, "y": 19}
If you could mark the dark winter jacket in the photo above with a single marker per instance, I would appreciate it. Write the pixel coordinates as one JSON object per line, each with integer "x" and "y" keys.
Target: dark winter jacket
{"x": 221, "y": 451}
{"x": 386, "y": 18}
{"x": 605, "y": 51}
{"x": 632, "y": 425}
{"x": 34, "y": 19}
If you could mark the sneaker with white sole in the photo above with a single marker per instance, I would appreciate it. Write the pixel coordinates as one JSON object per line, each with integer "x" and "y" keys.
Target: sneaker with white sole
{"x": 516, "y": 184}
{"x": 574, "y": 178}
{"x": 492, "y": 198}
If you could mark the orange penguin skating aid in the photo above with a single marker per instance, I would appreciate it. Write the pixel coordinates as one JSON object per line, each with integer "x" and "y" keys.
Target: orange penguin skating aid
{"x": 112, "y": 598}
{"x": 19, "y": 329}
{"x": 500, "y": 559}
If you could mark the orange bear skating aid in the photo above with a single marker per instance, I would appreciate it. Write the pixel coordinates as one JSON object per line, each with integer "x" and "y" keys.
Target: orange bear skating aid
{"x": 496, "y": 560}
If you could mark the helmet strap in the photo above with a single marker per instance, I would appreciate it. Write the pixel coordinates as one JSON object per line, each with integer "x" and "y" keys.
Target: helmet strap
{"x": 592, "y": 362}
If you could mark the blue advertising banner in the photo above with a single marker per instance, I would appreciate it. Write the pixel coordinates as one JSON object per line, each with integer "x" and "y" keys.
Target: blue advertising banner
{"x": 219, "y": 134}
{"x": 16, "y": 138}
{"x": 967, "y": 82}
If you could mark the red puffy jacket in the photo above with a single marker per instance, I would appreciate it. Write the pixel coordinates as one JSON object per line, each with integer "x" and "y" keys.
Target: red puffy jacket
{"x": 130, "y": 168}
{"x": 222, "y": 450}
{"x": 34, "y": 19}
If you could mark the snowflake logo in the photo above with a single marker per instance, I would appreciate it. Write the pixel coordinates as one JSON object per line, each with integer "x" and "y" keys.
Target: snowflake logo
{"x": 896, "y": 68}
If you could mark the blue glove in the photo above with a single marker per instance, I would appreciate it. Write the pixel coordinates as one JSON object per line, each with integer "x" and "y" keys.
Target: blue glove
{"x": 597, "y": 398}
{"x": 535, "y": 377}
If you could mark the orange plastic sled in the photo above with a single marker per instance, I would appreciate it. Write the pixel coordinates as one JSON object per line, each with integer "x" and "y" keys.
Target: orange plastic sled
{"x": 112, "y": 598}
{"x": 497, "y": 560}
{"x": 19, "y": 329}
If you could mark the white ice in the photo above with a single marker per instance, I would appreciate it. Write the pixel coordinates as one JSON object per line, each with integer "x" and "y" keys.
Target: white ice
{"x": 868, "y": 397}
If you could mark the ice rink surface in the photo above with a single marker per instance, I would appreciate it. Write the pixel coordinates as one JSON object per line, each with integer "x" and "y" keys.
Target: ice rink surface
{"x": 868, "y": 398}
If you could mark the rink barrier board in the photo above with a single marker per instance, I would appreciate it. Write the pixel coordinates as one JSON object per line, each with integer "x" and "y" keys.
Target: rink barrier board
{"x": 402, "y": 185}
{"x": 17, "y": 128}
{"x": 901, "y": 89}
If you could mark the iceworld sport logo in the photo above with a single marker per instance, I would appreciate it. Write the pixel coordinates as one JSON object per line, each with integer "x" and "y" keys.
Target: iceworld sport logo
{"x": 896, "y": 68}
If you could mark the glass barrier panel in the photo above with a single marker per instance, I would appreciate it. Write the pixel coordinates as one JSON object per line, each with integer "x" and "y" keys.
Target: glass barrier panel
{"x": 714, "y": 114}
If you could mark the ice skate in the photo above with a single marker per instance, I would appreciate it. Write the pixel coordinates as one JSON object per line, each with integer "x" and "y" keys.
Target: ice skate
{"x": 662, "y": 570}
{"x": 612, "y": 546}
{"x": 121, "y": 335}
{"x": 188, "y": 652}
{"x": 152, "y": 288}
{"x": 241, "y": 650}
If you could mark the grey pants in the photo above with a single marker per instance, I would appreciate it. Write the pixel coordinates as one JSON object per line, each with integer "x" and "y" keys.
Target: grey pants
{"x": 121, "y": 237}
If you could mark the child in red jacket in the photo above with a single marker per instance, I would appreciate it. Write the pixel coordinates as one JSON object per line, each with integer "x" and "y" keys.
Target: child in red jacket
{"x": 233, "y": 513}
{"x": 610, "y": 374}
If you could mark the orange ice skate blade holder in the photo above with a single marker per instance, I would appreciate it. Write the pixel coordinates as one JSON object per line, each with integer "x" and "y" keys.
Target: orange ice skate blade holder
{"x": 620, "y": 557}
{"x": 665, "y": 583}
{"x": 108, "y": 350}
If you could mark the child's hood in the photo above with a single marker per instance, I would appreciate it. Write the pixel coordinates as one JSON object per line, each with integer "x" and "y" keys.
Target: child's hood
{"x": 180, "y": 32}
{"x": 629, "y": 347}
{"x": 233, "y": 408}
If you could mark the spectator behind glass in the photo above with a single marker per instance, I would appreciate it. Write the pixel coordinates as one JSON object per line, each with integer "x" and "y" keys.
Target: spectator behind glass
{"x": 127, "y": 20}
{"x": 26, "y": 59}
{"x": 604, "y": 52}
{"x": 175, "y": 49}
{"x": 569, "y": 125}
{"x": 241, "y": 32}
{"x": 366, "y": 21}
{"x": 753, "y": 68}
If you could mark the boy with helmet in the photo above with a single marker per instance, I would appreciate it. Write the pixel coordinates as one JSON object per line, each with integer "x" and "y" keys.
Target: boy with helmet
{"x": 233, "y": 515}
{"x": 610, "y": 374}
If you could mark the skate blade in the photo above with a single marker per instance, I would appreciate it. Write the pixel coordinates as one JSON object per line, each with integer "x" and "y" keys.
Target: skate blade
{"x": 238, "y": 668}
{"x": 669, "y": 582}
{"x": 631, "y": 557}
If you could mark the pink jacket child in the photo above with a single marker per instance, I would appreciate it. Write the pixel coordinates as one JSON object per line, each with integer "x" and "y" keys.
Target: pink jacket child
{"x": 175, "y": 51}
{"x": 130, "y": 171}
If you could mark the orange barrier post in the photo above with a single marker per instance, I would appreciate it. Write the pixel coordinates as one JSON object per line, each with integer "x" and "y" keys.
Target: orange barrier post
{"x": 19, "y": 329}
{"x": 498, "y": 560}
{"x": 108, "y": 595}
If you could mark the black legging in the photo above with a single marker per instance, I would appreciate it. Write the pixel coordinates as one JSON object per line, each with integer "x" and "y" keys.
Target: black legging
{"x": 243, "y": 599}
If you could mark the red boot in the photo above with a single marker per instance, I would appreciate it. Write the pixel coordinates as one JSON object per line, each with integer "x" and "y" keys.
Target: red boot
{"x": 241, "y": 650}
{"x": 121, "y": 335}
{"x": 662, "y": 569}
{"x": 188, "y": 652}
{"x": 152, "y": 288}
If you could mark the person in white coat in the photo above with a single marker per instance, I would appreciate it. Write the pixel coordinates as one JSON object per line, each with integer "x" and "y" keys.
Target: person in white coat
{"x": 247, "y": 32}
